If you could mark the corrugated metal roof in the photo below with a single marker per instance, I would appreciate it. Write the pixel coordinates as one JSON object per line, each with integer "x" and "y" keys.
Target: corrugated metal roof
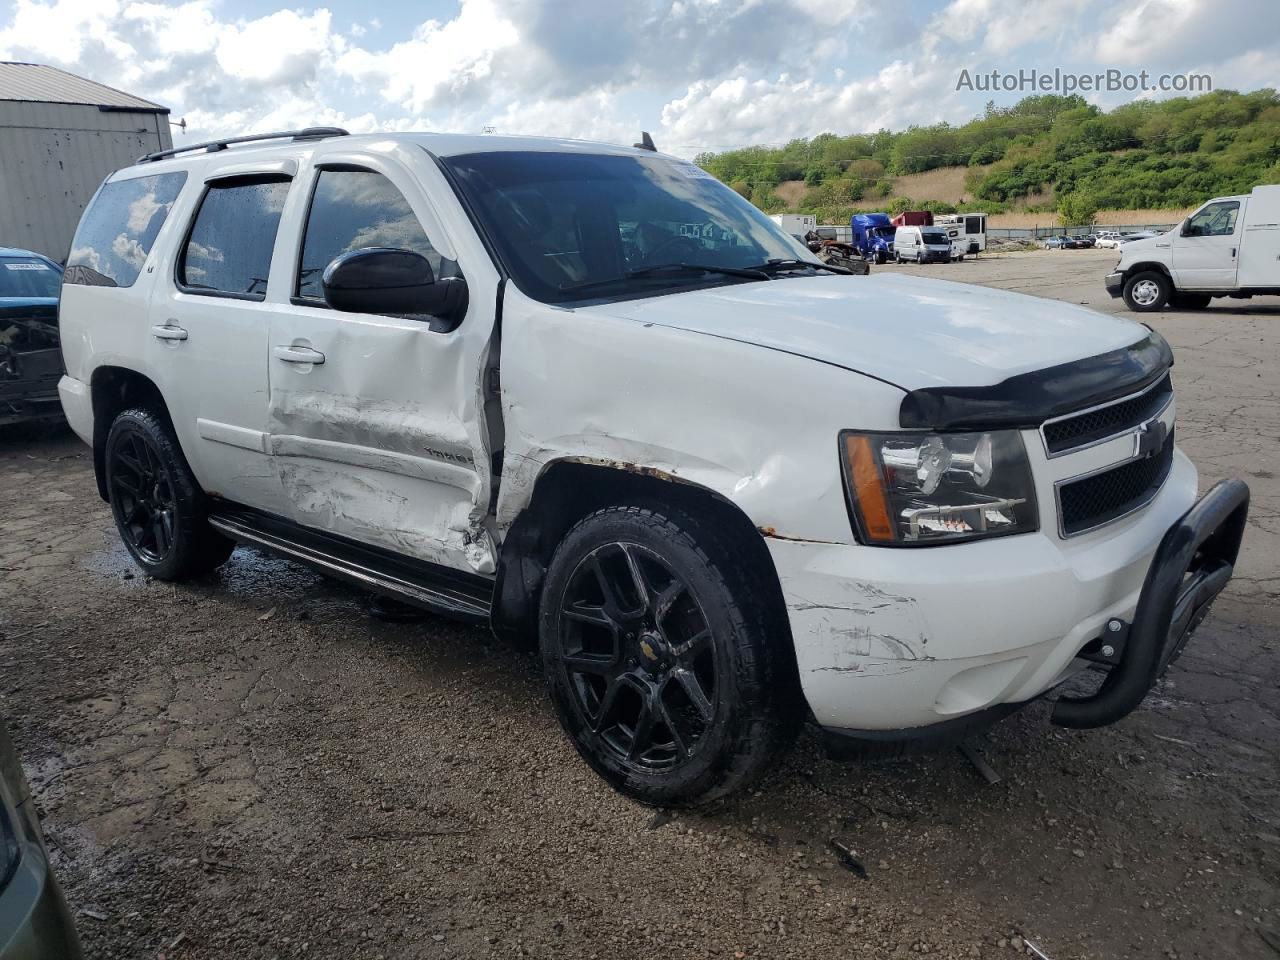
{"x": 37, "y": 83}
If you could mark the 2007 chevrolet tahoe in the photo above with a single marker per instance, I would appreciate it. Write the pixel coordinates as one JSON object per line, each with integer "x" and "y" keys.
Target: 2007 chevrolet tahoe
{"x": 588, "y": 393}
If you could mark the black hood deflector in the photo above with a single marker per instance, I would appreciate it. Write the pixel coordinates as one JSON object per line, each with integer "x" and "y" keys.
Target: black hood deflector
{"x": 1029, "y": 399}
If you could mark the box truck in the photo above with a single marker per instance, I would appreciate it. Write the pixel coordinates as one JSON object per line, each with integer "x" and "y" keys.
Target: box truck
{"x": 1230, "y": 247}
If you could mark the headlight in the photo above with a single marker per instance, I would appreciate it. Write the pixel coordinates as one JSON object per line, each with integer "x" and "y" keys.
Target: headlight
{"x": 917, "y": 489}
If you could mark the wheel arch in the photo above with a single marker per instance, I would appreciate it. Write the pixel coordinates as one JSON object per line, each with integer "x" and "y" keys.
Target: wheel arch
{"x": 112, "y": 390}
{"x": 568, "y": 489}
{"x": 1146, "y": 265}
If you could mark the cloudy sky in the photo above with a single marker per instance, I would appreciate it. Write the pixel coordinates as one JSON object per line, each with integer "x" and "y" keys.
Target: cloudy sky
{"x": 699, "y": 74}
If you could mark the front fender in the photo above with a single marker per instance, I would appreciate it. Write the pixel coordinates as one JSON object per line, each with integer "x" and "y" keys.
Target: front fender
{"x": 754, "y": 425}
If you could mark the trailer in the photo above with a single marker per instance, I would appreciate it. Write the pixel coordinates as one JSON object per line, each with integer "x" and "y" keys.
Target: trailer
{"x": 970, "y": 229}
{"x": 799, "y": 225}
{"x": 914, "y": 218}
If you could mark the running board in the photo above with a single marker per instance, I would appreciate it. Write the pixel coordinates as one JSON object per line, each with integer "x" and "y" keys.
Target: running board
{"x": 438, "y": 589}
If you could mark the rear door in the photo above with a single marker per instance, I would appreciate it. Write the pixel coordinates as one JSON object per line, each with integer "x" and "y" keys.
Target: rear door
{"x": 208, "y": 331}
{"x": 1206, "y": 249}
{"x": 374, "y": 420}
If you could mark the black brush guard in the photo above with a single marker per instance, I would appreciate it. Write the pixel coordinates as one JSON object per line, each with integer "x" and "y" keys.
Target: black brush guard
{"x": 1190, "y": 568}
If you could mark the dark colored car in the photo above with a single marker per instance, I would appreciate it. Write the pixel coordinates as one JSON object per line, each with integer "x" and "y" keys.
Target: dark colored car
{"x": 34, "y": 921}
{"x": 30, "y": 354}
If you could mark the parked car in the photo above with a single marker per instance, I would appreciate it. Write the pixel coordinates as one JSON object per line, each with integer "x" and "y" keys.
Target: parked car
{"x": 1059, "y": 243}
{"x": 1084, "y": 242}
{"x": 922, "y": 245}
{"x": 30, "y": 360}
{"x": 34, "y": 921}
{"x": 473, "y": 372}
{"x": 1109, "y": 239}
{"x": 1228, "y": 247}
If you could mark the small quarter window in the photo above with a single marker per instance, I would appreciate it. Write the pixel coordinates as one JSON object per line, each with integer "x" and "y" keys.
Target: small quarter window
{"x": 117, "y": 231}
{"x": 355, "y": 209}
{"x": 228, "y": 251}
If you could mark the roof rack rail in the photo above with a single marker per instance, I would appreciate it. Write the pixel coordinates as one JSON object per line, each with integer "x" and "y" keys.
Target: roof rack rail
{"x": 213, "y": 146}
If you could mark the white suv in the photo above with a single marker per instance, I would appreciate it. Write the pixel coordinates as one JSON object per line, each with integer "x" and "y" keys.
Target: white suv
{"x": 587, "y": 394}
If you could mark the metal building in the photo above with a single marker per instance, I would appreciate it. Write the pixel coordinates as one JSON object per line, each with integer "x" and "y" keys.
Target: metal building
{"x": 60, "y": 135}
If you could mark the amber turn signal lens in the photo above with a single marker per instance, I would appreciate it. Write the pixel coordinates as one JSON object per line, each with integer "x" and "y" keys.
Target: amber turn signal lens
{"x": 866, "y": 483}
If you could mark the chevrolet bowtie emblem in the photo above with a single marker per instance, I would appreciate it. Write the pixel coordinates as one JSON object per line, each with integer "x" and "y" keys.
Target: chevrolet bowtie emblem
{"x": 1150, "y": 439}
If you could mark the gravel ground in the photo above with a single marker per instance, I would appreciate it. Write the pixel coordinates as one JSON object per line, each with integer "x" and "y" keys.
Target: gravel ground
{"x": 253, "y": 767}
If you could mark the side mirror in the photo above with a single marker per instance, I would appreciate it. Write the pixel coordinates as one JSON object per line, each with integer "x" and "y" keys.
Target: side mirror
{"x": 1190, "y": 231}
{"x": 391, "y": 281}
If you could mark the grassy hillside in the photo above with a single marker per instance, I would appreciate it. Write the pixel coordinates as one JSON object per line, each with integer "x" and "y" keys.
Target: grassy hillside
{"x": 1044, "y": 155}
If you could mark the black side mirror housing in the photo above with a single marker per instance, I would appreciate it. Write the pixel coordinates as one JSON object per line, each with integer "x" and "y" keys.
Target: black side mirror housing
{"x": 386, "y": 280}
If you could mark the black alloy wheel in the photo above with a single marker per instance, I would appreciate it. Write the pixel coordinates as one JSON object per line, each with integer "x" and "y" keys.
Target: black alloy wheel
{"x": 158, "y": 505}
{"x": 668, "y": 652}
{"x": 144, "y": 498}
{"x": 638, "y": 652}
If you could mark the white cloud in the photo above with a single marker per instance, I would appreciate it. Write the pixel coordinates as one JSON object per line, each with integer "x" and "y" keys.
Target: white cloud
{"x": 696, "y": 73}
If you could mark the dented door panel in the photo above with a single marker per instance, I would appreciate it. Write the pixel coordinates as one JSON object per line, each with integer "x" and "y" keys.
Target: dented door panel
{"x": 383, "y": 441}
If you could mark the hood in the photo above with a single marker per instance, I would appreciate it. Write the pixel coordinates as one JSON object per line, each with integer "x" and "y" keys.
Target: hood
{"x": 912, "y": 332}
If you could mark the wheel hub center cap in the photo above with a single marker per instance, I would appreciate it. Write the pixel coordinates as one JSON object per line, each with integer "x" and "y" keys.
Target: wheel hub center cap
{"x": 653, "y": 650}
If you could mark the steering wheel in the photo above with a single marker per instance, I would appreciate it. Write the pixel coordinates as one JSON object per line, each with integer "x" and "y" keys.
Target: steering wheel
{"x": 672, "y": 243}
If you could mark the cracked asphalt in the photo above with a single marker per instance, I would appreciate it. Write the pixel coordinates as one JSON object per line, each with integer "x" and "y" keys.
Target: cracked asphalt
{"x": 253, "y": 767}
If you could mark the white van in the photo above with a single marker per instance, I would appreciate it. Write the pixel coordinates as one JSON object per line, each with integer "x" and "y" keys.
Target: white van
{"x": 1230, "y": 247}
{"x": 922, "y": 244}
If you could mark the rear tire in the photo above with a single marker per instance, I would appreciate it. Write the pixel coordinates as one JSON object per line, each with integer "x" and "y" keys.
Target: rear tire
{"x": 1147, "y": 292}
{"x": 667, "y": 664}
{"x": 159, "y": 508}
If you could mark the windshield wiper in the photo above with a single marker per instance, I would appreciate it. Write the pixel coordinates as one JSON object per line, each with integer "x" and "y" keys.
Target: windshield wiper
{"x": 778, "y": 264}
{"x": 750, "y": 273}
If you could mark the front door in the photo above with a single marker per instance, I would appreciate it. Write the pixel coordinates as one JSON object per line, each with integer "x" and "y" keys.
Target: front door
{"x": 1205, "y": 250}
{"x": 208, "y": 330}
{"x": 375, "y": 430}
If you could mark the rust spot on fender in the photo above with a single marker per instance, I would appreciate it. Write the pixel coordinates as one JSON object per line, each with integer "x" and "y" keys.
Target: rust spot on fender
{"x": 772, "y": 534}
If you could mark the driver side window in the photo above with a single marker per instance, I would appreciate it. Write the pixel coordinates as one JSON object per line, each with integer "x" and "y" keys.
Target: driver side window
{"x": 352, "y": 209}
{"x": 1215, "y": 220}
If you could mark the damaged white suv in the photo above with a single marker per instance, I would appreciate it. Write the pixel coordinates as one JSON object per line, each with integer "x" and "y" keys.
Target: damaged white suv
{"x": 589, "y": 394}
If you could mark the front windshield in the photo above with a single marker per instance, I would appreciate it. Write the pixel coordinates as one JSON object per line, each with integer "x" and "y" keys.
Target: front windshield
{"x": 930, "y": 236}
{"x": 565, "y": 222}
{"x": 29, "y": 277}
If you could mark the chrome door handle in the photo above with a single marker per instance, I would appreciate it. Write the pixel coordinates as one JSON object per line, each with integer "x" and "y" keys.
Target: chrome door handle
{"x": 297, "y": 354}
{"x": 170, "y": 331}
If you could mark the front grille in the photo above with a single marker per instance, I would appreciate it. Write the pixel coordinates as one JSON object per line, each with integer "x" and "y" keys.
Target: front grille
{"x": 1097, "y": 424}
{"x": 1092, "y": 501}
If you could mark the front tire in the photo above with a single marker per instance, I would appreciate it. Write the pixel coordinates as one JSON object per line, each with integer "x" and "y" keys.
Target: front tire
{"x": 159, "y": 508}
{"x": 1147, "y": 292}
{"x": 665, "y": 660}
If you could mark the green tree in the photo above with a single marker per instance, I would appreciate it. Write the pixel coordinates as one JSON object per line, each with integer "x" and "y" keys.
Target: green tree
{"x": 1077, "y": 209}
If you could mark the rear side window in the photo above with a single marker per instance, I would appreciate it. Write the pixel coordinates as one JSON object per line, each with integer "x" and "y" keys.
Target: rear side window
{"x": 118, "y": 229}
{"x": 354, "y": 209}
{"x": 228, "y": 252}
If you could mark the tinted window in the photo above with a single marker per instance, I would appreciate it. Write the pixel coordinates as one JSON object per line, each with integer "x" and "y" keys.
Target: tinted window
{"x": 118, "y": 229}
{"x": 564, "y": 222}
{"x": 28, "y": 277}
{"x": 353, "y": 209}
{"x": 229, "y": 250}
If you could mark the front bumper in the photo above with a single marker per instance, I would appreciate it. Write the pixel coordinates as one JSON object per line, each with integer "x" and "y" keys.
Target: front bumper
{"x": 34, "y": 921}
{"x": 1114, "y": 283}
{"x": 890, "y": 641}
